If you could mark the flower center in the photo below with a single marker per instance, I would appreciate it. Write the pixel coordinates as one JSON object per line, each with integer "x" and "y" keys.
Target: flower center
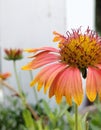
{"x": 81, "y": 51}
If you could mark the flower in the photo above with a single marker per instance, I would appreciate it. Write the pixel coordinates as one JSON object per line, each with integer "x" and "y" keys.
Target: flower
{"x": 4, "y": 76}
{"x": 79, "y": 55}
{"x": 13, "y": 54}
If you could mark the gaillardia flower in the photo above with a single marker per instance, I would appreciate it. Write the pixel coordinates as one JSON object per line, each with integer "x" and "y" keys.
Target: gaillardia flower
{"x": 4, "y": 76}
{"x": 79, "y": 55}
{"x": 13, "y": 54}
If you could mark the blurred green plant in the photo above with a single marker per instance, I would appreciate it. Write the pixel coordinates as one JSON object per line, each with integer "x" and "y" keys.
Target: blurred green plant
{"x": 95, "y": 118}
{"x": 11, "y": 115}
{"x": 14, "y": 117}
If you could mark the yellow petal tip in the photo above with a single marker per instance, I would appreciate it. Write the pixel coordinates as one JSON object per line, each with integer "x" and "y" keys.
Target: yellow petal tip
{"x": 32, "y": 84}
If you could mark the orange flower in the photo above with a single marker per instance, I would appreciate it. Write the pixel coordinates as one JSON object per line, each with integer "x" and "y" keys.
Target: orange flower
{"x": 4, "y": 76}
{"x": 13, "y": 54}
{"x": 78, "y": 53}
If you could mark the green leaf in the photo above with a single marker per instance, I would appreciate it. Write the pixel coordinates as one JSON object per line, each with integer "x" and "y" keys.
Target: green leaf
{"x": 57, "y": 129}
{"x": 63, "y": 111}
{"x": 83, "y": 121}
{"x": 47, "y": 108}
{"x": 29, "y": 121}
{"x": 39, "y": 124}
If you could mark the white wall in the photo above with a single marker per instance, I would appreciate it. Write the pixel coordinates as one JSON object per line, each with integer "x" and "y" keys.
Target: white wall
{"x": 80, "y": 13}
{"x": 30, "y": 23}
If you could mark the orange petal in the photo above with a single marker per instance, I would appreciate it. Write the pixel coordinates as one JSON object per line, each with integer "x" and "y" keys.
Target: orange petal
{"x": 42, "y": 49}
{"x": 40, "y": 84}
{"x": 44, "y": 73}
{"x": 91, "y": 85}
{"x": 5, "y": 75}
{"x": 62, "y": 87}
{"x": 53, "y": 75}
{"x": 59, "y": 37}
{"x": 56, "y": 39}
{"x": 38, "y": 62}
{"x": 53, "y": 87}
{"x": 67, "y": 83}
{"x": 75, "y": 83}
{"x": 97, "y": 75}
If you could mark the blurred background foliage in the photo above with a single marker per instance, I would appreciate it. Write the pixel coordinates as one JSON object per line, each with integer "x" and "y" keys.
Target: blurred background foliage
{"x": 60, "y": 118}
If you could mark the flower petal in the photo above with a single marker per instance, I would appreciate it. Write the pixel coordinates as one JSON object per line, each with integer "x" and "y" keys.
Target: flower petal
{"x": 68, "y": 83}
{"x": 44, "y": 75}
{"x": 99, "y": 86}
{"x": 91, "y": 85}
{"x": 61, "y": 87}
{"x": 42, "y": 49}
{"x": 97, "y": 74}
{"x": 41, "y": 61}
{"x": 99, "y": 66}
{"x": 75, "y": 83}
{"x": 53, "y": 75}
{"x": 59, "y": 37}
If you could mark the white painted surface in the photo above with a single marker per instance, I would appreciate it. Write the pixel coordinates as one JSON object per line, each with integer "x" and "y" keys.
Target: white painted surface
{"x": 1, "y": 95}
{"x": 30, "y": 23}
{"x": 80, "y": 13}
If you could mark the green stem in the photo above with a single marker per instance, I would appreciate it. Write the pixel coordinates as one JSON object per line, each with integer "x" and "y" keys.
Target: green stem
{"x": 18, "y": 83}
{"x": 87, "y": 125}
{"x": 26, "y": 114}
{"x": 98, "y": 100}
{"x": 35, "y": 94}
{"x": 17, "y": 79}
{"x": 76, "y": 117}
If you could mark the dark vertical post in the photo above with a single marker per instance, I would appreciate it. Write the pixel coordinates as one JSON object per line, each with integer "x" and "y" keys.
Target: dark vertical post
{"x": 0, "y": 60}
{"x": 98, "y": 16}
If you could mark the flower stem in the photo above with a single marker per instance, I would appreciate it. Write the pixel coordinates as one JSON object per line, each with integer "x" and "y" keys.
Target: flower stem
{"x": 18, "y": 83}
{"x": 26, "y": 113}
{"x": 17, "y": 79}
{"x": 98, "y": 100}
{"x": 35, "y": 94}
{"x": 76, "y": 117}
{"x": 87, "y": 125}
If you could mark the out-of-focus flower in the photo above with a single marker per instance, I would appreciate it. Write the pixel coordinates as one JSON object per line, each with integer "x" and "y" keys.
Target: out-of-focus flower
{"x": 78, "y": 53}
{"x": 4, "y": 76}
{"x": 13, "y": 54}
